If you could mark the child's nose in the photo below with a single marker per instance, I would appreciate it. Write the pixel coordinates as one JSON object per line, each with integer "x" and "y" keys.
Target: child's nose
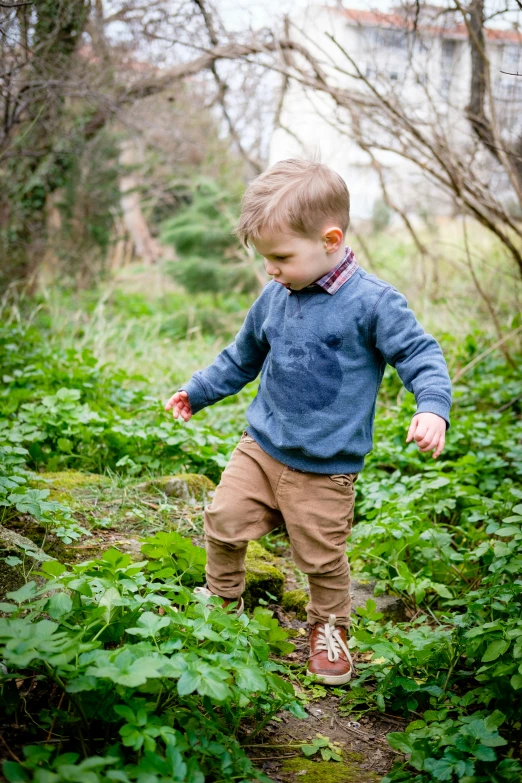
{"x": 271, "y": 269}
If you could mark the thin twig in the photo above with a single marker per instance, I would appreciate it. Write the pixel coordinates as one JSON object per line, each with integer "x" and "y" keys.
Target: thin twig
{"x": 484, "y": 295}
{"x": 50, "y": 734}
{"x": 11, "y": 753}
{"x": 509, "y": 404}
{"x": 269, "y": 758}
{"x": 458, "y": 375}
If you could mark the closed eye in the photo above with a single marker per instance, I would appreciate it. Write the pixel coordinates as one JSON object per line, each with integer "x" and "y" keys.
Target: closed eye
{"x": 280, "y": 258}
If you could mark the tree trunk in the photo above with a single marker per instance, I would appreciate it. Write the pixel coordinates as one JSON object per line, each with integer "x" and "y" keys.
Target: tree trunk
{"x": 146, "y": 247}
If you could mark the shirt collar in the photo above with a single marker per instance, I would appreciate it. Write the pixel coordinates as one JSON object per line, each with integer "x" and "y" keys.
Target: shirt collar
{"x": 332, "y": 281}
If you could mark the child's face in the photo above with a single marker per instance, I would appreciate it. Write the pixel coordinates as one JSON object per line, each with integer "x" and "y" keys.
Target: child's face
{"x": 296, "y": 261}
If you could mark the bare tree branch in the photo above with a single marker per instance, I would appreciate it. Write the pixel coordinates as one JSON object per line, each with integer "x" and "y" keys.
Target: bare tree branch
{"x": 222, "y": 89}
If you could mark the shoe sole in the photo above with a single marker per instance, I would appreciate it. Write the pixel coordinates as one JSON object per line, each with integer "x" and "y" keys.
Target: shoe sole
{"x": 332, "y": 679}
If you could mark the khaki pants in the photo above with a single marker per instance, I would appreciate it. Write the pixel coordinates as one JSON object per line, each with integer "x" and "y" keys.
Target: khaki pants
{"x": 257, "y": 494}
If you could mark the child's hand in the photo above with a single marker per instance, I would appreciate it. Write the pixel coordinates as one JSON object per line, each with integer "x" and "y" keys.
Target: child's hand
{"x": 181, "y": 405}
{"x": 429, "y": 432}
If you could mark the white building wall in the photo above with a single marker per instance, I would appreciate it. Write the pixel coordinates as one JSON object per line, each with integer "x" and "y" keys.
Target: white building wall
{"x": 310, "y": 120}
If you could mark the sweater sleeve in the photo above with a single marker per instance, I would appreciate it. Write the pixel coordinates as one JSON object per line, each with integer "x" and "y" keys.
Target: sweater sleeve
{"x": 236, "y": 365}
{"x": 417, "y": 356}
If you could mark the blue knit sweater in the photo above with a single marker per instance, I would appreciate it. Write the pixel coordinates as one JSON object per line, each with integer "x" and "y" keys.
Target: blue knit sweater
{"x": 322, "y": 358}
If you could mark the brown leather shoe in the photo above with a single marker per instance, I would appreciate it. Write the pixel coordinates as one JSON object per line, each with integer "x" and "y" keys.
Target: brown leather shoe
{"x": 330, "y": 660}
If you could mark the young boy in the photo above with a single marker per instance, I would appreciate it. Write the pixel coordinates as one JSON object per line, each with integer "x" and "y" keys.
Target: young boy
{"x": 321, "y": 333}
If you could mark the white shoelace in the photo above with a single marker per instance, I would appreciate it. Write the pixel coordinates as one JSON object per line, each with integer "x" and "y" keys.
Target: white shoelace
{"x": 330, "y": 640}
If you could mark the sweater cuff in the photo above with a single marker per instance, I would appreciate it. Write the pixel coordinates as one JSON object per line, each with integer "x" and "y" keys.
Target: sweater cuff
{"x": 196, "y": 394}
{"x": 435, "y": 404}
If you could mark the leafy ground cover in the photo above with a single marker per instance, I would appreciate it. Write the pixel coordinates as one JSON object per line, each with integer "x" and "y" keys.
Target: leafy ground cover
{"x": 112, "y": 689}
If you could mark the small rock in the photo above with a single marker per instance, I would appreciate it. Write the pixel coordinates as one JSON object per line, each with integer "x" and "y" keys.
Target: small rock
{"x": 185, "y": 486}
{"x": 64, "y": 484}
{"x": 391, "y": 606}
{"x": 14, "y": 542}
{"x": 11, "y": 577}
{"x": 296, "y": 601}
{"x": 262, "y": 576}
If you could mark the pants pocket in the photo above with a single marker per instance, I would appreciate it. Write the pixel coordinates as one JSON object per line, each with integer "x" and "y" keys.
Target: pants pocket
{"x": 343, "y": 479}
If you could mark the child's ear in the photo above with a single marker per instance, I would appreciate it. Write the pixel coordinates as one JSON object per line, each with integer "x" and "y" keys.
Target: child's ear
{"x": 332, "y": 239}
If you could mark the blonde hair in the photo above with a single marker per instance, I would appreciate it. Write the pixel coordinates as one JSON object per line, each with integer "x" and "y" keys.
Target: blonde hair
{"x": 294, "y": 194}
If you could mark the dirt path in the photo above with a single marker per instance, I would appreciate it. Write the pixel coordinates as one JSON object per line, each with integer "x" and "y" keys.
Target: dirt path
{"x": 118, "y": 516}
{"x": 366, "y": 754}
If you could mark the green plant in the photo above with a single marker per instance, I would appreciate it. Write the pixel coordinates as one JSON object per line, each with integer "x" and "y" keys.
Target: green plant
{"x": 176, "y": 687}
{"x": 329, "y": 751}
{"x": 17, "y": 498}
{"x": 202, "y": 233}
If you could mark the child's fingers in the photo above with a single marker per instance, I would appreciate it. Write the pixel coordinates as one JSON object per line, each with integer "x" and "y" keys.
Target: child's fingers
{"x": 442, "y": 441}
{"x": 171, "y": 402}
{"x": 411, "y": 431}
{"x": 185, "y": 412}
{"x": 430, "y": 441}
{"x": 178, "y": 397}
{"x": 423, "y": 436}
{"x": 182, "y": 408}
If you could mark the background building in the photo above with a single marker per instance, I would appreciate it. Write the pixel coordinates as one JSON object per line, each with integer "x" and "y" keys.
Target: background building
{"x": 422, "y": 65}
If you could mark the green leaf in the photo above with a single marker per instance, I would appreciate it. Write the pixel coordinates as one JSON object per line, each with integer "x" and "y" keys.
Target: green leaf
{"x": 80, "y": 586}
{"x": 441, "y": 590}
{"x": 441, "y": 769}
{"x": 110, "y": 599}
{"x": 494, "y": 720}
{"x": 188, "y": 682}
{"x": 81, "y": 683}
{"x": 14, "y": 773}
{"x": 485, "y": 754}
{"x": 507, "y": 530}
{"x": 495, "y": 649}
{"x": 124, "y": 672}
{"x": 26, "y": 592}
{"x": 58, "y": 605}
{"x": 53, "y": 568}
{"x": 321, "y": 742}
{"x": 309, "y": 750}
{"x": 439, "y": 482}
{"x": 124, "y": 711}
{"x": 64, "y": 444}
{"x": 12, "y": 560}
{"x": 400, "y": 741}
{"x": 516, "y": 681}
{"x": 250, "y": 679}
{"x": 149, "y": 624}
{"x": 212, "y": 685}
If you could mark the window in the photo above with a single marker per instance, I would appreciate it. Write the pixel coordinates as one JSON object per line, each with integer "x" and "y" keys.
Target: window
{"x": 385, "y": 37}
{"x": 448, "y": 55}
{"x": 511, "y": 58}
{"x": 447, "y": 59}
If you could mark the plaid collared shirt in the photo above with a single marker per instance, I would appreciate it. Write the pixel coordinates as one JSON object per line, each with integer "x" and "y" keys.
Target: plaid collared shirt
{"x": 336, "y": 277}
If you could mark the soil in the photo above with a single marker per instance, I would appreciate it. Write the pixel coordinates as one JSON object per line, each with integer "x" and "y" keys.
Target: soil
{"x": 118, "y": 517}
{"x": 366, "y": 753}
